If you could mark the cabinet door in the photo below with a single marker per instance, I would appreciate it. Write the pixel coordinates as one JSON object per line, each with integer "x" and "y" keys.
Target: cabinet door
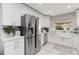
{"x": 59, "y": 41}
{"x": 75, "y": 40}
{"x": 16, "y": 15}
{"x": 68, "y": 42}
{"x": 75, "y": 43}
{"x": 20, "y": 47}
{"x": 42, "y": 39}
{"x": 9, "y": 50}
{"x": 7, "y": 14}
{"x": 23, "y": 11}
{"x": 77, "y": 19}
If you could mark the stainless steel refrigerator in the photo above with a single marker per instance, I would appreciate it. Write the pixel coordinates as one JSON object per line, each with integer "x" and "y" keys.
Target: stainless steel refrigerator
{"x": 30, "y": 29}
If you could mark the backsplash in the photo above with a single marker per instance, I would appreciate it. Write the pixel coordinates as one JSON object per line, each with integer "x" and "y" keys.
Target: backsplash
{"x": 16, "y": 30}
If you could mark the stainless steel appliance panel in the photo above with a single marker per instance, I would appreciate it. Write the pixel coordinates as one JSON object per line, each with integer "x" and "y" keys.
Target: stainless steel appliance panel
{"x": 31, "y": 33}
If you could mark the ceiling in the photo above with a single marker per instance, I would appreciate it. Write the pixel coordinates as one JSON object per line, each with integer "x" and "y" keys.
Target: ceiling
{"x": 54, "y": 8}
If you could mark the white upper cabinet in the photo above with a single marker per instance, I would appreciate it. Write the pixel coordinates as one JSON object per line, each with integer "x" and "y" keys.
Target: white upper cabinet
{"x": 23, "y": 12}
{"x": 7, "y": 15}
{"x": 16, "y": 15}
{"x": 47, "y": 21}
{"x": 77, "y": 17}
{"x": 11, "y": 14}
{"x": 14, "y": 46}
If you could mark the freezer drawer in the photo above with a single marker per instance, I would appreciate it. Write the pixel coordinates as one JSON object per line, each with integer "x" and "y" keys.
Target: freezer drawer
{"x": 30, "y": 46}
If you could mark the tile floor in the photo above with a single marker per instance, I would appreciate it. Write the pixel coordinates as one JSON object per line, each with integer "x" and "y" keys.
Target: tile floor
{"x": 53, "y": 49}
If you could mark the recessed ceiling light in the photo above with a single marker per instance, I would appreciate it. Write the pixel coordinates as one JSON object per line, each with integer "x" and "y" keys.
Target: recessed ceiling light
{"x": 50, "y": 11}
{"x": 40, "y": 4}
{"x": 69, "y": 6}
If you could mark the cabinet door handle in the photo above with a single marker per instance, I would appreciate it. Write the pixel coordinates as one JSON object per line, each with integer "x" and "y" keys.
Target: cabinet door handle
{"x": 16, "y": 44}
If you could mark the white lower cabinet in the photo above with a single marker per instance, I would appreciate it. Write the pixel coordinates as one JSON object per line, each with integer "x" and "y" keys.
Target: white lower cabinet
{"x": 75, "y": 43}
{"x": 9, "y": 50}
{"x": 19, "y": 47}
{"x": 58, "y": 41}
{"x": 20, "y": 50}
{"x": 14, "y": 47}
{"x": 42, "y": 39}
{"x": 78, "y": 45}
{"x": 68, "y": 42}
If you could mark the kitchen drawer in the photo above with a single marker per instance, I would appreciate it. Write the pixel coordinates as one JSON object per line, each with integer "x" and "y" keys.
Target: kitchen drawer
{"x": 12, "y": 42}
{"x": 20, "y": 49}
{"x": 75, "y": 42}
{"x": 20, "y": 40}
{"x": 68, "y": 42}
{"x": 9, "y": 43}
{"x": 9, "y": 50}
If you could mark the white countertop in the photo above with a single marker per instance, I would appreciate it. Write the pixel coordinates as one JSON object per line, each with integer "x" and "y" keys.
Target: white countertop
{"x": 11, "y": 38}
{"x": 66, "y": 35}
